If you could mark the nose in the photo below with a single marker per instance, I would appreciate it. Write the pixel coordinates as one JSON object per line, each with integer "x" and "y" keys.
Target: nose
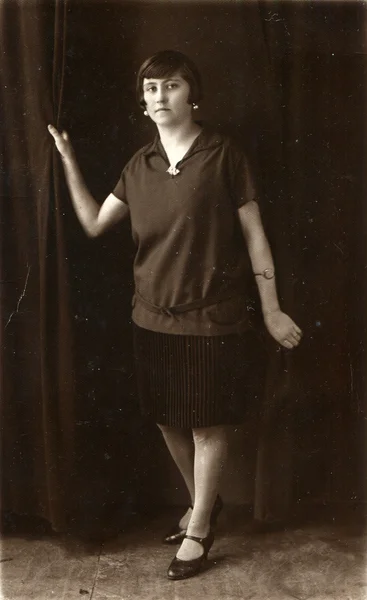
{"x": 161, "y": 94}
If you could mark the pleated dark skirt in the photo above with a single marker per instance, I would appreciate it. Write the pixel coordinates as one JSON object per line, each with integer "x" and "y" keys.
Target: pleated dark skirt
{"x": 194, "y": 381}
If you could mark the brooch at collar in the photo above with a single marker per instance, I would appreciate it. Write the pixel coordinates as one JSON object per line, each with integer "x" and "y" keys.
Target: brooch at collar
{"x": 173, "y": 171}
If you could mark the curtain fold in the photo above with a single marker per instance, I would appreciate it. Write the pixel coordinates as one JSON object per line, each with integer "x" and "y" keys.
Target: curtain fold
{"x": 309, "y": 432}
{"x": 37, "y": 345}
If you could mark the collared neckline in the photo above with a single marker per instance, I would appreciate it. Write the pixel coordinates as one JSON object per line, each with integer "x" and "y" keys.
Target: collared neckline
{"x": 206, "y": 139}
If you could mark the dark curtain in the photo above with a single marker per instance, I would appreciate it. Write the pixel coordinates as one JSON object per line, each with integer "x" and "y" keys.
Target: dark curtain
{"x": 37, "y": 388}
{"x": 287, "y": 80}
{"x": 312, "y": 440}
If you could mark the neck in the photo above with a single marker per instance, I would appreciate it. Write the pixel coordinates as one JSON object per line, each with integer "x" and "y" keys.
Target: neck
{"x": 176, "y": 135}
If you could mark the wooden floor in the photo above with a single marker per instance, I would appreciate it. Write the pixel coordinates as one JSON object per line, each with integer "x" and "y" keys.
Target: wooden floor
{"x": 320, "y": 559}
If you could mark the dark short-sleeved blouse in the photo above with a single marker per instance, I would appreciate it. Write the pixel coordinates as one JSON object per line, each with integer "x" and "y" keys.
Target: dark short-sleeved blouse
{"x": 191, "y": 263}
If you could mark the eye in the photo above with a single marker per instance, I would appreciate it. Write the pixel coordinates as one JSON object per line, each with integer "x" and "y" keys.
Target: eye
{"x": 172, "y": 86}
{"x": 151, "y": 88}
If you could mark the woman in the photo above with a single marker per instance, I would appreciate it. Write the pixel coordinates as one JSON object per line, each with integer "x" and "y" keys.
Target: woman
{"x": 193, "y": 211}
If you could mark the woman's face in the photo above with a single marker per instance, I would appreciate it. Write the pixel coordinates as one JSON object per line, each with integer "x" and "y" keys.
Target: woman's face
{"x": 167, "y": 100}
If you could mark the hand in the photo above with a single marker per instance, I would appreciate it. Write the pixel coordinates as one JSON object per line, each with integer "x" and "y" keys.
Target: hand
{"x": 62, "y": 142}
{"x": 283, "y": 329}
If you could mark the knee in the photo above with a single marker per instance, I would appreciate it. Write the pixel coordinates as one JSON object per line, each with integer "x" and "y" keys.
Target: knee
{"x": 163, "y": 428}
{"x": 166, "y": 430}
{"x": 210, "y": 435}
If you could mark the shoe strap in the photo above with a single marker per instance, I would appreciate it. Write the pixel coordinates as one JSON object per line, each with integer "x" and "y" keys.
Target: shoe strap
{"x": 194, "y": 538}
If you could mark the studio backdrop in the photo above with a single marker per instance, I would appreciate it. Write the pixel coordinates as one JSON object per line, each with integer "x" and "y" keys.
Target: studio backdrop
{"x": 287, "y": 80}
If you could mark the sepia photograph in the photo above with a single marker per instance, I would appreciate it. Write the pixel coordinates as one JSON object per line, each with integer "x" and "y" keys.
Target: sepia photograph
{"x": 164, "y": 164}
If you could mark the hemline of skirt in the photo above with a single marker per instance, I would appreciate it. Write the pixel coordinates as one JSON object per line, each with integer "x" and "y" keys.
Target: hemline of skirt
{"x": 190, "y": 381}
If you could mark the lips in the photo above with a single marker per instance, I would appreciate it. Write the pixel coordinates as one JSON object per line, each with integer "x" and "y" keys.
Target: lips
{"x": 162, "y": 110}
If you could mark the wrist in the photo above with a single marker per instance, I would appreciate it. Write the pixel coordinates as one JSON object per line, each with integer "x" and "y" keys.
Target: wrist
{"x": 68, "y": 158}
{"x": 268, "y": 312}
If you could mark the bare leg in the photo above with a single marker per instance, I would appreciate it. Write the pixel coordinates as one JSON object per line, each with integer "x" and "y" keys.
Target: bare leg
{"x": 210, "y": 455}
{"x": 180, "y": 444}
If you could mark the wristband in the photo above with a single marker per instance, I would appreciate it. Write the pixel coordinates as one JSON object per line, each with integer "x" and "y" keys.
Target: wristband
{"x": 267, "y": 274}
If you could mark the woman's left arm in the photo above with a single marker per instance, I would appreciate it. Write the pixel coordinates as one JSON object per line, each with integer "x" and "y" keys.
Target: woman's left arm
{"x": 280, "y": 326}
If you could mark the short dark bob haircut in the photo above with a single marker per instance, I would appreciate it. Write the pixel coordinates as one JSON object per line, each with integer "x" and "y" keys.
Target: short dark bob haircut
{"x": 165, "y": 64}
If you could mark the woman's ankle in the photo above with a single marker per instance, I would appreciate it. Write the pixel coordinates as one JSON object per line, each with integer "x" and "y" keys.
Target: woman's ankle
{"x": 200, "y": 530}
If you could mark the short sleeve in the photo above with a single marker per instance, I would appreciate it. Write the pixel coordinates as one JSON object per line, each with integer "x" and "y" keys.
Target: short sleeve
{"x": 242, "y": 184}
{"x": 120, "y": 189}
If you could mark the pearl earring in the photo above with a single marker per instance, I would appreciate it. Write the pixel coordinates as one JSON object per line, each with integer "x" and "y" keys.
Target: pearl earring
{"x": 195, "y": 106}
{"x": 146, "y": 113}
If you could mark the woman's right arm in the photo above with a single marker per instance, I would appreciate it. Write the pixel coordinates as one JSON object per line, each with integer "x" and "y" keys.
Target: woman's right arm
{"x": 95, "y": 219}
